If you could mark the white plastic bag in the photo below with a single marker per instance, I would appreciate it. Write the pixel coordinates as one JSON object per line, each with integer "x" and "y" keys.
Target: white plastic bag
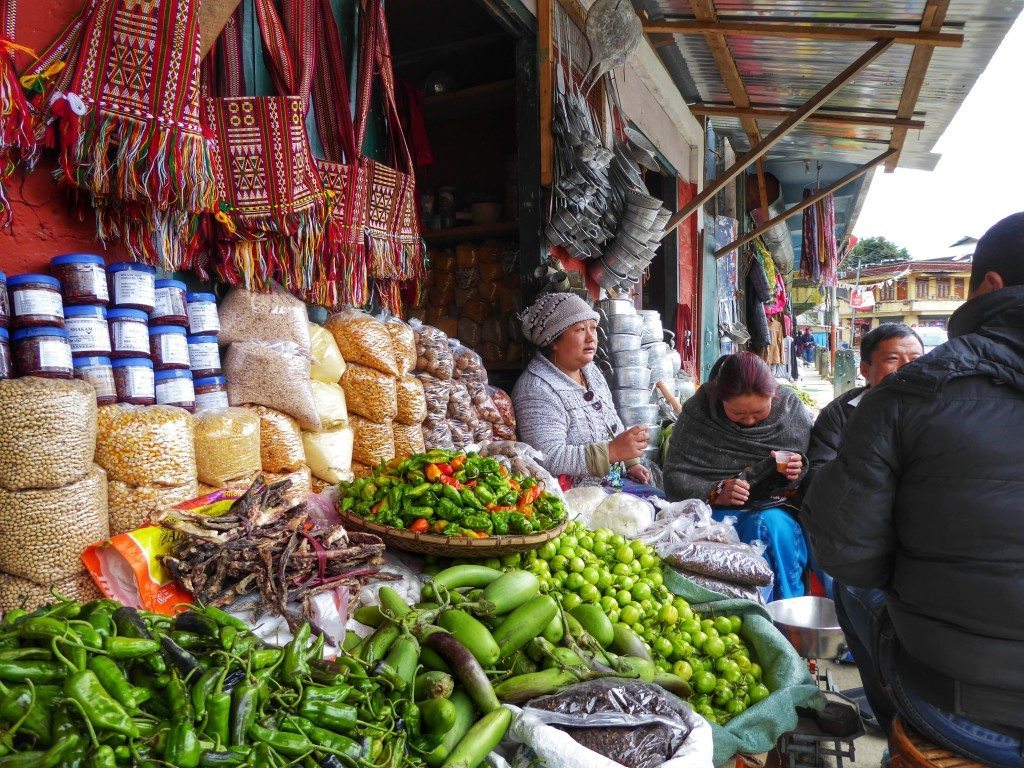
{"x": 329, "y": 454}
{"x": 581, "y": 502}
{"x": 327, "y": 363}
{"x": 684, "y": 521}
{"x": 624, "y": 514}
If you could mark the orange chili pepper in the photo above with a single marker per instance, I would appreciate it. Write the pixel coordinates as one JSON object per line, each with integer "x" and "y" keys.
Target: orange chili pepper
{"x": 458, "y": 462}
{"x": 420, "y": 525}
{"x": 433, "y": 473}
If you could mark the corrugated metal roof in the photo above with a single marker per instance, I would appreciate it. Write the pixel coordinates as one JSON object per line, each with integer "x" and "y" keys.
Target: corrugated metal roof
{"x": 784, "y": 72}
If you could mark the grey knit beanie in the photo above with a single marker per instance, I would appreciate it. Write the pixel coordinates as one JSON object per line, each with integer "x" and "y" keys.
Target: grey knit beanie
{"x": 552, "y": 314}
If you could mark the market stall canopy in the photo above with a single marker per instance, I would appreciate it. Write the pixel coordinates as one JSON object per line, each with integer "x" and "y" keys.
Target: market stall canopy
{"x": 756, "y": 65}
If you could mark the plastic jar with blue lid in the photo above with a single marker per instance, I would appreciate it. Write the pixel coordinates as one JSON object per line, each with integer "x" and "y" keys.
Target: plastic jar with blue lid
{"x": 83, "y": 278}
{"x": 211, "y": 393}
{"x": 6, "y": 366}
{"x": 168, "y": 347}
{"x": 87, "y": 330}
{"x": 169, "y": 306}
{"x": 35, "y": 301}
{"x": 132, "y": 285}
{"x": 98, "y": 372}
{"x": 133, "y": 380}
{"x": 204, "y": 356}
{"x": 203, "y": 319}
{"x": 5, "y": 304}
{"x": 42, "y": 352}
{"x": 175, "y": 388}
{"x": 129, "y": 333}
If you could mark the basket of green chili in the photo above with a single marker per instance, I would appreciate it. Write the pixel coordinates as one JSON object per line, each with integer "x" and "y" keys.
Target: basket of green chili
{"x": 453, "y": 504}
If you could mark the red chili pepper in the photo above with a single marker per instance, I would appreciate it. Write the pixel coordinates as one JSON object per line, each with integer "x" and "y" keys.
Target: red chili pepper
{"x": 377, "y": 507}
{"x": 445, "y": 468}
{"x": 502, "y": 509}
{"x": 445, "y": 480}
{"x": 421, "y": 525}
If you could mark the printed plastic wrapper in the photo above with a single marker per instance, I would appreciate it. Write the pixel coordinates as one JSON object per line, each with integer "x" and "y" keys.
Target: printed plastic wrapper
{"x": 408, "y": 440}
{"x": 403, "y": 340}
{"x": 274, "y": 375}
{"x": 329, "y": 454}
{"x": 331, "y": 404}
{"x": 227, "y": 445}
{"x": 37, "y": 450}
{"x": 438, "y": 434}
{"x": 370, "y": 393}
{"x": 43, "y": 532}
{"x": 16, "y": 592}
{"x": 583, "y": 501}
{"x": 437, "y": 393}
{"x": 374, "y": 442}
{"x": 280, "y": 441}
{"x": 146, "y": 445}
{"x": 327, "y": 363}
{"x": 266, "y": 318}
{"x": 364, "y": 340}
{"x": 679, "y": 523}
{"x": 738, "y": 563}
{"x": 301, "y": 484}
{"x": 625, "y": 723}
{"x": 412, "y": 402}
{"x": 624, "y": 514}
{"x": 128, "y": 567}
{"x": 132, "y": 506}
{"x": 433, "y": 355}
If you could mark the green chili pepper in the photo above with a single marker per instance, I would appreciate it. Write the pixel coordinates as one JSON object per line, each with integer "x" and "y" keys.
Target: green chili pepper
{"x": 75, "y": 654}
{"x": 213, "y": 759}
{"x": 336, "y": 717}
{"x": 42, "y": 628}
{"x": 218, "y": 717}
{"x": 411, "y": 716}
{"x": 202, "y": 688}
{"x": 179, "y": 699}
{"x": 417, "y": 491}
{"x": 34, "y": 671}
{"x": 130, "y": 647}
{"x": 244, "y": 644}
{"x": 469, "y": 499}
{"x": 113, "y": 681}
{"x": 190, "y": 641}
{"x": 101, "y": 710}
{"x": 264, "y": 657}
{"x": 21, "y": 702}
{"x": 294, "y": 664}
{"x": 289, "y": 744}
{"x": 182, "y": 748}
{"x": 452, "y": 495}
{"x": 483, "y": 494}
{"x": 227, "y": 637}
{"x": 335, "y": 694}
{"x": 13, "y": 616}
{"x": 244, "y": 701}
{"x": 51, "y": 758}
{"x": 324, "y": 737}
{"x": 25, "y": 654}
{"x": 104, "y": 758}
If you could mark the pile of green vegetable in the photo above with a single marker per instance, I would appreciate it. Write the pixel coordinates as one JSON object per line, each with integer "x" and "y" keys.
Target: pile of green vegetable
{"x": 102, "y": 685}
{"x": 452, "y": 494}
{"x": 616, "y": 585}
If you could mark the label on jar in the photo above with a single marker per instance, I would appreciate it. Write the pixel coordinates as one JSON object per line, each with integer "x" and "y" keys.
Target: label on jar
{"x": 138, "y": 382}
{"x": 169, "y": 302}
{"x": 175, "y": 391}
{"x": 98, "y": 278}
{"x": 210, "y": 401}
{"x": 54, "y": 353}
{"x": 130, "y": 336}
{"x": 134, "y": 288}
{"x": 101, "y": 377}
{"x": 174, "y": 349}
{"x": 204, "y": 357}
{"x": 88, "y": 334}
{"x": 29, "y": 301}
{"x": 202, "y": 317}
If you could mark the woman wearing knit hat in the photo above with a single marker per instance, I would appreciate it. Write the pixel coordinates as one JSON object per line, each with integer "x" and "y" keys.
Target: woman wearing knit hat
{"x": 564, "y": 408}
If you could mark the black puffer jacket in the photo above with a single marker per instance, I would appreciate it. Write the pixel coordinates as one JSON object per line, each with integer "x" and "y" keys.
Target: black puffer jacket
{"x": 926, "y": 497}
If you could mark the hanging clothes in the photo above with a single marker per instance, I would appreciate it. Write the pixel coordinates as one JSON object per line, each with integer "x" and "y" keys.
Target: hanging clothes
{"x": 819, "y": 254}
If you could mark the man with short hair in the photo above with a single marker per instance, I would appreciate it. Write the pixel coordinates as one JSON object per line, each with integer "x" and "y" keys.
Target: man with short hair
{"x": 923, "y": 506}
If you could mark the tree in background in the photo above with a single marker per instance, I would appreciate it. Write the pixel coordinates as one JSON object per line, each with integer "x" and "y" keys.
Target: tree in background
{"x": 875, "y": 250}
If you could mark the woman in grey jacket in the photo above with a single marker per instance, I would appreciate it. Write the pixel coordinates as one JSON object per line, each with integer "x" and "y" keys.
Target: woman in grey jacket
{"x": 564, "y": 408}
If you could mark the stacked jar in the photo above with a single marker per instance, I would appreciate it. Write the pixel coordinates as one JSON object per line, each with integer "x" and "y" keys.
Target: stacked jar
{"x": 132, "y": 299}
{"x": 6, "y": 366}
{"x": 39, "y": 341}
{"x": 82, "y": 278}
{"x": 204, "y": 354}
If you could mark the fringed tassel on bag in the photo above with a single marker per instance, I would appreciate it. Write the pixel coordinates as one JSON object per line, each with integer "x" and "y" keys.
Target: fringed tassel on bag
{"x": 18, "y": 145}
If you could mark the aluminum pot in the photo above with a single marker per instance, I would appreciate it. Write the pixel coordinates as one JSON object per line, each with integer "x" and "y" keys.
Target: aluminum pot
{"x": 611, "y": 307}
{"x": 630, "y": 358}
{"x": 654, "y": 437}
{"x": 653, "y": 330}
{"x": 620, "y": 342}
{"x": 687, "y": 388}
{"x": 631, "y": 324}
{"x": 631, "y": 378}
{"x": 629, "y": 398}
{"x": 677, "y": 361}
{"x": 653, "y": 456}
{"x": 632, "y": 415}
{"x": 662, "y": 370}
{"x": 657, "y": 351}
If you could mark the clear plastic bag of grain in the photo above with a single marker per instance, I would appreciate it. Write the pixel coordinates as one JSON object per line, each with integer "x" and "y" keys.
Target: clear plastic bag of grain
{"x": 301, "y": 484}
{"x": 361, "y": 470}
{"x": 437, "y": 434}
{"x": 364, "y": 340}
{"x": 330, "y": 454}
{"x": 412, "y": 401}
{"x": 146, "y": 445}
{"x": 44, "y": 532}
{"x": 227, "y": 445}
{"x": 275, "y": 375}
{"x": 408, "y": 440}
{"x": 266, "y": 318}
{"x": 403, "y": 344}
{"x": 131, "y": 506}
{"x": 280, "y": 441}
{"x": 374, "y": 442}
{"x": 327, "y": 363}
{"x": 37, "y": 448}
{"x": 370, "y": 393}
{"x": 16, "y": 592}
{"x": 433, "y": 355}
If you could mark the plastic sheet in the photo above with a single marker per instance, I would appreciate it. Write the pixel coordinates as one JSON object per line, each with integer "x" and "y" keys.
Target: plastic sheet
{"x": 227, "y": 445}
{"x": 370, "y": 393}
{"x": 364, "y": 340}
{"x": 433, "y": 355}
{"x": 142, "y": 445}
{"x": 331, "y": 404}
{"x": 280, "y": 441}
{"x": 374, "y": 442}
{"x": 275, "y": 375}
{"x": 327, "y": 363}
{"x": 266, "y": 318}
{"x": 681, "y": 522}
{"x": 412, "y": 401}
{"x": 329, "y": 454}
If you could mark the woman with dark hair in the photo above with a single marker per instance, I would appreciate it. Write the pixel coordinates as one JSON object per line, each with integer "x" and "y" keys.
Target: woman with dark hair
{"x": 723, "y": 451}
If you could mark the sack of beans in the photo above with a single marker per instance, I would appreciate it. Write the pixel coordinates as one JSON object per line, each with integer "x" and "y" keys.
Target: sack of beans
{"x": 16, "y": 592}
{"x": 146, "y": 445}
{"x": 131, "y": 506}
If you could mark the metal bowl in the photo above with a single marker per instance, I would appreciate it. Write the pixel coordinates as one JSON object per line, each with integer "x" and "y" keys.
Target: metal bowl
{"x": 639, "y": 414}
{"x": 620, "y": 342}
{"x": 629, "y": 358}
{"x": 604, "y": 276}
{"x": 640, "y": 200}
{"x": 631, "y": 398}
{"x": 630, "y": 378}
{"x": 810, "y": 625}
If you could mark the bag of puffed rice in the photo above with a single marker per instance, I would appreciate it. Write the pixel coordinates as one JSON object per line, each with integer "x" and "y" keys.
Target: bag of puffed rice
{"x": 370, "y": 394}
{"x": 280, "y": 440}
{"x": 374, "y": 442}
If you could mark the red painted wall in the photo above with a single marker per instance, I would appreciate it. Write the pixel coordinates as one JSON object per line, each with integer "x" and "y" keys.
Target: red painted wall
{"x": 43, "y": 224}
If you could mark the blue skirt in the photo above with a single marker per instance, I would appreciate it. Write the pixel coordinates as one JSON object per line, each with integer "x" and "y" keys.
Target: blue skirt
{"x": 786, "y": 547}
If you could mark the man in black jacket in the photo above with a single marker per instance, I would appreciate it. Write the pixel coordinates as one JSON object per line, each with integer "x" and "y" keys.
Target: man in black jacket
{"x": 924, "y": 503}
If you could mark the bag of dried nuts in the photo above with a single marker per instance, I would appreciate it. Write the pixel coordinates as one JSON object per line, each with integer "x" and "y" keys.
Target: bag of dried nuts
{"x": 146, "y": 445}
{"x": 469, "y": 369}
{"x": 433, "y": 355}
{"x": 370, "y": 393}
{"x": 438, "y": 434}
{"x": 412, "y": 402}
{"x": 364, "y": 340}
{"x": 280, "y": 441}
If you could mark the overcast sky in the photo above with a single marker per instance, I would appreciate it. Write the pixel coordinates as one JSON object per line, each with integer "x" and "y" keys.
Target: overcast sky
{"x": 980, "y": 177}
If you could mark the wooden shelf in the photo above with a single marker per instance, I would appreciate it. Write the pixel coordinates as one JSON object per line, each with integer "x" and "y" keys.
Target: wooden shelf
{"x": 504, "y": 230}
{"x": 468, "y": 101}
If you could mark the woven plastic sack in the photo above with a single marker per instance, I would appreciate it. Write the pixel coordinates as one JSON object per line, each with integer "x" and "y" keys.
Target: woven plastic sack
{"x": 131, "y": 506}
{"x": 364, "y": 340}
{"x": 43, "y": 532}
{"x": 280, "y": 441}
{"x": 275, "y": 375}
{"x": 374, "y": 442}
{"x": 327, "y": 363}
{"x": 227, "y": 445}
{"x": 412, "y": 402}
{"x": 329, "y": 454}
{"x": 370, "y": 393}
{"x": 37, "y": 449}
{"x": 403, "y": 340}
{"x": 16, "y": 592}
{"x": 146, "y": 445}
{"x": 433, "y": 355}
{"x": 331, "y": 404}
{"x": 408, "y": 440}
{"x": 266, "y": 318}
{"x": 300, "y": 488}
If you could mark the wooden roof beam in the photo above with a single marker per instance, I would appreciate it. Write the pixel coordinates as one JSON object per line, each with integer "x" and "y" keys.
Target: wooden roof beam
{"x": 791, "y": 29}
{"x": 833, "y": 118}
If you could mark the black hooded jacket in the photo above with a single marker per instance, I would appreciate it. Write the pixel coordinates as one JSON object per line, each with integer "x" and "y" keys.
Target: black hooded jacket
{"x": 926, "y": 497}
